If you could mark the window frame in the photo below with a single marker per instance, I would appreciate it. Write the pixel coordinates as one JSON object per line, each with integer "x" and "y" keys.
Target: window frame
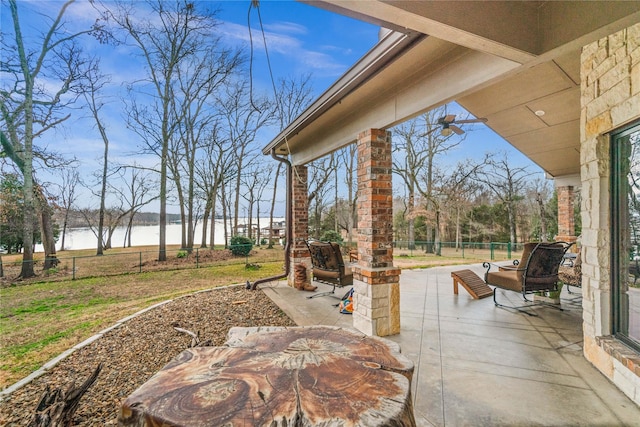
{"x": 619, "y": 228}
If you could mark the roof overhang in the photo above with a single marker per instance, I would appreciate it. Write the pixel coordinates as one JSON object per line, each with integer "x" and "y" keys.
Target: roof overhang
{"x": 503, "y": 60}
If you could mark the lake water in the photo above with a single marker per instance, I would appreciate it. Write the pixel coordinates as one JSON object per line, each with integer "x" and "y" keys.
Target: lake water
{"x": 141, "y": 235}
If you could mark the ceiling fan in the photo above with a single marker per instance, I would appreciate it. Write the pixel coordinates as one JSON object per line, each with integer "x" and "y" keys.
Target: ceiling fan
{"x": 447, "y": 123}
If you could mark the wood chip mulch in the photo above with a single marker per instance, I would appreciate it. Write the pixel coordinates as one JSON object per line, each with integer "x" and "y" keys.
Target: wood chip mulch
{"x": 133, "y": 352}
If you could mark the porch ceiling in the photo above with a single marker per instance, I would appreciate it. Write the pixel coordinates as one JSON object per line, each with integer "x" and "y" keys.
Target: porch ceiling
{"x": 503, "y": 60}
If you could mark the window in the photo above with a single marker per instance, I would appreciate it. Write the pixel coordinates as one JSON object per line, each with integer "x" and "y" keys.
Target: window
{"x": 625, "y": 238}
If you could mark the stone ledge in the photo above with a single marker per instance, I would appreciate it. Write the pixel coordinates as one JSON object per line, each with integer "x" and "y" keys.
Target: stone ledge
{"x": 621, "y": 353}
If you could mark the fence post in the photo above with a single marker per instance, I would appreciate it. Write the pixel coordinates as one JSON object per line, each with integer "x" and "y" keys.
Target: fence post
{"x": 73, "y": 269}
{"x": 197, "y": 257}
{"x": 491, "y": 251}
{"x": 140, "y": 263}
{"x": 508, "y": 250}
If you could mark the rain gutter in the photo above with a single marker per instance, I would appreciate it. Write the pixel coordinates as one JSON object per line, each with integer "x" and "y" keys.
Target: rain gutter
{"x": 391, "y": 45}
{"x": 289, "y": 227}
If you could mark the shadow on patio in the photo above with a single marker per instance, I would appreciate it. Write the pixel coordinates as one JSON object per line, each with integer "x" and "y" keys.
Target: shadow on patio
{"x": 476, "y": 364}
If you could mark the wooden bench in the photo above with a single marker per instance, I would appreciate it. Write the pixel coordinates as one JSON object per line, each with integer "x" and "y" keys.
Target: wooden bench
{"x": 476, "y": 287}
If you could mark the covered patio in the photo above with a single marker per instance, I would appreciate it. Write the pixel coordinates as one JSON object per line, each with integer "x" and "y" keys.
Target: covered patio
{"x": 476, "y": 364}
{"x": 554, "y": 79}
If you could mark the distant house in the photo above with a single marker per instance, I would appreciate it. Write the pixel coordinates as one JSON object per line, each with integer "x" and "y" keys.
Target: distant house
{"x": 277, "y": 230}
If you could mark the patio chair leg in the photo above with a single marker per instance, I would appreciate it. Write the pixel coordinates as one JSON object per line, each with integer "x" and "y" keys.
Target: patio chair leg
{"x": 520, "y": 309}
{"x": 546, "y": 304}
{"x": 322, "y": 294}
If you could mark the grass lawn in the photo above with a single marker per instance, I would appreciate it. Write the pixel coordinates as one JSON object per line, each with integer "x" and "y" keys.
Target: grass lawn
{"x": 40, "y": 320}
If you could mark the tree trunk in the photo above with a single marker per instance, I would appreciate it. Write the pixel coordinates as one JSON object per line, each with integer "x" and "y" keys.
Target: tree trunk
{"x": 213, "y": 224}
{"x": 512, "y": 223}
{"x": 205, "y": 223}
{"x": 280, "y": 377}
{"x": 273, "y": 204}
{"x": 103, "y": 190}
{"x": 457, "y": 228}
{"x": 436, "y": 240}
{"x": 411, "y": 232}
{"x": 162, "y": 245}
{"x": 48, "y": 242}
{"x": 129, "y": 230}
{"x": 65, "y": 222}
{"x": 543, "y": 222}
{"x": 225, "y": 217}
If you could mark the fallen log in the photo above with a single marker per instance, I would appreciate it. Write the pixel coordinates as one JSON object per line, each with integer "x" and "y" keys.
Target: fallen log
{"x": 57, "y": 407}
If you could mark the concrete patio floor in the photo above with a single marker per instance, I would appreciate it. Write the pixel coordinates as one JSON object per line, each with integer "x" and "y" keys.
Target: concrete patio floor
{"x": 480, "y": 365}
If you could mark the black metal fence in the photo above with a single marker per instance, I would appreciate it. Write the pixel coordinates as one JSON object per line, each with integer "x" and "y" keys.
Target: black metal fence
{"x": 112, "y": 263}
{"x": 490, "y": 251}
{"x": 130, "y": 262}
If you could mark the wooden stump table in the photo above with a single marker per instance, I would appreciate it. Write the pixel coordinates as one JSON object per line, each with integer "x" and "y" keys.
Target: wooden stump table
{"x": 276, "y": 376}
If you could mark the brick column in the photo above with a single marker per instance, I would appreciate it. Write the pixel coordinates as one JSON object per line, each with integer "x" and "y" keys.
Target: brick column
{"x": 377, "y": 284}
{"x": 300, "y": 222}
{"x": 566, "y": 221}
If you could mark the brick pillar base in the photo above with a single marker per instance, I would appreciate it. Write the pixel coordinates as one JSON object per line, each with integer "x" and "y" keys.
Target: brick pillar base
{"x": 299, "y": 253}
{"x": 377, "y": 282}
{"x": 377, "y": 301}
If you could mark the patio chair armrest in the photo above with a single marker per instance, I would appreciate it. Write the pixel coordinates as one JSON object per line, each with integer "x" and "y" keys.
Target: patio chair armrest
{"x": 488, "y": 266}
{"x": 514, "y": 267}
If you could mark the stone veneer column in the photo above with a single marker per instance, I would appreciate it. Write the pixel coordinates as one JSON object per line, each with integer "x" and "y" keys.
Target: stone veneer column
{"x": 566, "y": 221}
{"x": 610, "y": 98}
{"x": 377, "y": 281}
{"x": 299, "y": 252}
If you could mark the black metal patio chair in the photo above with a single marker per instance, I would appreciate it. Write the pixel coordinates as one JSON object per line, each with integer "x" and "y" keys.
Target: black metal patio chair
{"x": 537, "y": 272}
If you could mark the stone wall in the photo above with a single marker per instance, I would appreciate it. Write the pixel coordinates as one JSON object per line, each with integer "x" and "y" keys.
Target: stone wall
{"x": 610, "y": 86}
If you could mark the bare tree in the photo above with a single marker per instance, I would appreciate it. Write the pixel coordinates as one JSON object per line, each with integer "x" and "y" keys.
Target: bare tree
{"x": 242, "y": 117}
{"x": 291, "y": 99}
{"x": 320, "y": 173}
{"x": 175, "y": 33}
{"x": 68, "y": 196}
{"x": 416, "y": 146}
{"x": 506, "y": 181}
{"x": 255, "y": 180}
{"x": 198, "y": 81}
{"x": 94, "y": 101}
{"x": 30, "y": 108}
{"x": 534, "y": 220}
{"x": 135, "y": 194}
{"x": 347, "y": 157}
{"x": 214, "y": 169}
{"x": 112, "y": 218}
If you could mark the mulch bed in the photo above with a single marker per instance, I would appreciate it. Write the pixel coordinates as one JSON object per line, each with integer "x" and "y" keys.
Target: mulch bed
{"x": 132, "y": 353}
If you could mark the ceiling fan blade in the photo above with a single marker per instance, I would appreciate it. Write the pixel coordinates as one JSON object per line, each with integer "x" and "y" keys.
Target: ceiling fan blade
{"x": 480, "y": 120}
{"x": 456, "y": 129}
{"x": 450, "y": 118}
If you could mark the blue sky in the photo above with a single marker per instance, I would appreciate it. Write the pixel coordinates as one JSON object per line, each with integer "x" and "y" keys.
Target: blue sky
{"x": 301, "y": 39}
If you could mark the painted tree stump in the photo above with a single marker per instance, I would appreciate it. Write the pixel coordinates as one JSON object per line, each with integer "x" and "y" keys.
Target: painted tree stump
{"x": 301, "y": 376}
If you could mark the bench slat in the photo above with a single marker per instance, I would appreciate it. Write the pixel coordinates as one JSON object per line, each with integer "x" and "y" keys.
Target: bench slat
{"x": 476, "y": 287}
